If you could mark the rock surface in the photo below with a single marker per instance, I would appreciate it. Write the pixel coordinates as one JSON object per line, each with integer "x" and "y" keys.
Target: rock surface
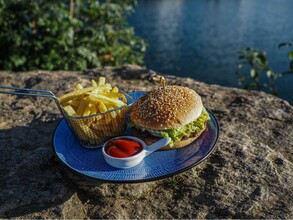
{"x": 249, "y": 175}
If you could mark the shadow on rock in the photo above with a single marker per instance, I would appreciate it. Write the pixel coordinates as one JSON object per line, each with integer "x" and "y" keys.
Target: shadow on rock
{"x": 31, "y": 179}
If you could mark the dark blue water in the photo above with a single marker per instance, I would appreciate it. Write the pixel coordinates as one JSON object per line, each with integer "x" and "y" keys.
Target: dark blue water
{"x": 200, "y": 38}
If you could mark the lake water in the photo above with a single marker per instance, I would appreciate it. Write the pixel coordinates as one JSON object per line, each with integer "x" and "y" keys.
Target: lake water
{"x": 200, "y": 38}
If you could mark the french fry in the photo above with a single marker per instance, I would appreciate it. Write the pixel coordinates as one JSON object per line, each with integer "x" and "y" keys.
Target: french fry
{"x": 113, "y": 113}
{"x": 87, "y": 131}
{"x": 102, "y": 107}
{"x": 81, "y": 107}
{"x": 78, "y": 86}
{"x": 103, "y": 88}
{"x": 93, "y": 107}
{"x": 115, "y": 90}
{"x": 88, "y": 121}
{"x": 74, "y": 103}
{"x": 101, "y": 80}
{"x": 109, "y": 118}
{"x": 75, "y": 94}
{"x": 87, "y": 111}
{"x": 69, "y": 110}
{"x": 78, "y": 128}
{"x": 112, "y": 95}
{"x": 100, "y": 126}
{"x": 94, "y": 83}
{"x": 101, "y": 98}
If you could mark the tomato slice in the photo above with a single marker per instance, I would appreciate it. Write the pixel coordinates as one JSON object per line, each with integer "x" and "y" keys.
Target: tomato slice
{"x": 130, "y": 147}
{"x": 116, "y": 152}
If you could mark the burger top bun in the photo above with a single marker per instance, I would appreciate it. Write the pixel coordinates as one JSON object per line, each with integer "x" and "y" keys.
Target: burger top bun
{"x": 162, "y": 109}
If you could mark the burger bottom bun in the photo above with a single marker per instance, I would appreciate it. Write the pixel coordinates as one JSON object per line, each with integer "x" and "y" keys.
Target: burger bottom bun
{"x": 150, "y": 139}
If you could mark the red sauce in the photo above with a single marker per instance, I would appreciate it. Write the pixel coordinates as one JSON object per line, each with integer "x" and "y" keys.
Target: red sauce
{"x": 123, "y": 147}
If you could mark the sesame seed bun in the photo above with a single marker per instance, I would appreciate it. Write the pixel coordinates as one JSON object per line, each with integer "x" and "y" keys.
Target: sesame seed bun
{"x": 172, "y": 108}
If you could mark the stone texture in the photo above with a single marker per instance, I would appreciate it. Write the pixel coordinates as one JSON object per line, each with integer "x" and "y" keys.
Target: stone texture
{"x": 249, "y": 175}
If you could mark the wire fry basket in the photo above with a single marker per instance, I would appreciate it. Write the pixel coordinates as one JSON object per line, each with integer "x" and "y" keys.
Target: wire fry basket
{"x": 91, "y": 131}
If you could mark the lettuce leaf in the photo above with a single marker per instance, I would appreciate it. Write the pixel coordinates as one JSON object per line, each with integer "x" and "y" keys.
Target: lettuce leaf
{"x": 178, "y": 133}
{"x": 185, "y": 131}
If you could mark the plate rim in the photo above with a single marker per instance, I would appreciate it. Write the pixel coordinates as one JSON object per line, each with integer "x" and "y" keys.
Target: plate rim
{"x": 136, "y": 180}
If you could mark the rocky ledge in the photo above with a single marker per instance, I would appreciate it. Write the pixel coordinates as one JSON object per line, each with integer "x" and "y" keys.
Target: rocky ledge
{"x": 248, "y": 175}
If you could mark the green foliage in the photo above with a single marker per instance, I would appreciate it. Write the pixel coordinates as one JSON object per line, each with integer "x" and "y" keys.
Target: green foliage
{"x": 255, "y": 73}
{"x": 67, "y": 35}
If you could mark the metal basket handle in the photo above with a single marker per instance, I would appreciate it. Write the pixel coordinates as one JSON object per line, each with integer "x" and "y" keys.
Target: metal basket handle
{"x": 10, "y": 90}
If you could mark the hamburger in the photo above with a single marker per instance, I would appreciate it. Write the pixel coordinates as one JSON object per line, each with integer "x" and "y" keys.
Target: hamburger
{"x": 176, "y": 112}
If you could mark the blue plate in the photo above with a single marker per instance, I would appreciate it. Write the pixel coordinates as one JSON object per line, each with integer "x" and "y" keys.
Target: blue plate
{"x": 90, "y": 162}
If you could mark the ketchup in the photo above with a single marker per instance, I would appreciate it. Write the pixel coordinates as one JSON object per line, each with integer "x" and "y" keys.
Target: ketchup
{"x": 123, "y": 147}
